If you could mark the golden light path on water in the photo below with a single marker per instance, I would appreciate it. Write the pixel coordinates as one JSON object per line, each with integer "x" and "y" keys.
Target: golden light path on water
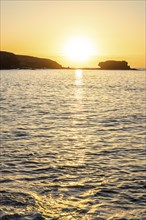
{"x": 79, "y": 83}
{"x": 79, "y": 106}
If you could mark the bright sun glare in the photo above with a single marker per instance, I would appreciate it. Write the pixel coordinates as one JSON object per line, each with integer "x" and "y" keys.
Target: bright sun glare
{"x": 79, "y": 49}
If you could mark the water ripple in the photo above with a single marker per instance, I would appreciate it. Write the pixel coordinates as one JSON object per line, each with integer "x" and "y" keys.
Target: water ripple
{"x": 73, "y": 145}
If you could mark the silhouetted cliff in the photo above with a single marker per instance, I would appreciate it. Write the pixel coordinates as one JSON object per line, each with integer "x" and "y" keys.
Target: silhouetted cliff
{"x": 8, "y": 60}
{"x": 114, "y": 65}
{"x": 13, "y": 61}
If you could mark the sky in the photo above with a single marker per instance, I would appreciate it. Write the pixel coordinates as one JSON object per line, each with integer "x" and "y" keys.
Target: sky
{"x": 110, "y": 29}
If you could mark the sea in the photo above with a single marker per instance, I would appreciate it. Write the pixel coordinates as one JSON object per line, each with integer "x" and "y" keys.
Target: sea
{"x": 73, "y": 145}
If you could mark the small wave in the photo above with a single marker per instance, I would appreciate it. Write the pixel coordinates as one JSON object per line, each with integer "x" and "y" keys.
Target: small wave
{"x": 16, "y": 199}
{"x": 16, "y": 216}
{"x": 18, "y": 206}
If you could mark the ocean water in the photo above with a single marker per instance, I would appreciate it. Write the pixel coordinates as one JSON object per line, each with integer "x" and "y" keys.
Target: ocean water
{"x": 72, "y": 145}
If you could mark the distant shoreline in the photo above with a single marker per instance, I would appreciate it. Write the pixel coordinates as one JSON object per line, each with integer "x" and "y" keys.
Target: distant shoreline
{"x": 72, "y": 68}
{"x": 12, "y": 61}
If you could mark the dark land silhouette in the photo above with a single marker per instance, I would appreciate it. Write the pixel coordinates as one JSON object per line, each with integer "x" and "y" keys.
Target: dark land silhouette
{"x": 12, "y": 61}
{"x": 114, "y": 65}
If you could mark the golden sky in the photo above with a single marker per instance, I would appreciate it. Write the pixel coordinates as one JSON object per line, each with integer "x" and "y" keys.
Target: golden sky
{"x": 46, "y": 28}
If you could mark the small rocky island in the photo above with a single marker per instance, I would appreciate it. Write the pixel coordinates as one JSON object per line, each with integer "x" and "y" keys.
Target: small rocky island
{"x": 13, "y": 61}
{"x": 114, "y": 65}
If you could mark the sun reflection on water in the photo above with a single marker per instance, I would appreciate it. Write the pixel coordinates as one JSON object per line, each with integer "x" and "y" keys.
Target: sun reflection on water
{"x": 79, "y": 83}
{"x": 78, "y": 76}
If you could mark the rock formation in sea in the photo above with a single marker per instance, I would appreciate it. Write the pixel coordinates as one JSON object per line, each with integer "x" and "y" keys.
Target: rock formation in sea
{"x": 13, "y": 61}
{"x": 114, "y": 65}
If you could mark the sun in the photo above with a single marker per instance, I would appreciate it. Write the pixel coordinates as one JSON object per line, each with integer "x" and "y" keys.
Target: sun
{"x": 79, "y": 49}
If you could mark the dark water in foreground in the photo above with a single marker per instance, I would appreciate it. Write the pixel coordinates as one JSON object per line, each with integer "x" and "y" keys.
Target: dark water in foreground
{"x": 72, "y": 145}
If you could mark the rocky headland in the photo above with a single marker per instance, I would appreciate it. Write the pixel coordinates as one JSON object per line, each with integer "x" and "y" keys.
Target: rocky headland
{"x": 13, "y": 61}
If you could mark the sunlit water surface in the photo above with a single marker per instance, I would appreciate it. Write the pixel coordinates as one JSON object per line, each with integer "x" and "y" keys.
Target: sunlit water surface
{"x": 72, "y": 145}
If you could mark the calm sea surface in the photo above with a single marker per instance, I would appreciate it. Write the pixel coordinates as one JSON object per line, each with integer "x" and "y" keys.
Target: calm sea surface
{"x": 72, "y": 145}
